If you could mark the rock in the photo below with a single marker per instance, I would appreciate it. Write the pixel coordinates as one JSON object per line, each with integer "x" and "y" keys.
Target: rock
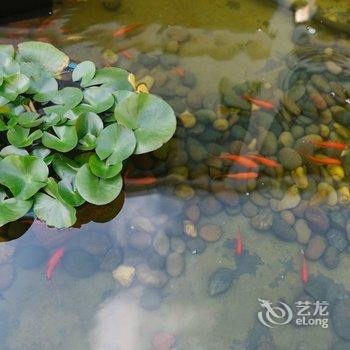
{"x": 331, "y": 257}
{"x": 341, "y": 318}
{"x": 156, "y": 261}
{"x": 288, "y": 217}
{"x": 220, "y": 281}
{"x": 263, "y": 221}
{"x": 193, "y": 212}
{"x": 149, "y": 61}
{"x": 249, "y": 209}
{"x": 209, "y": 205}
{"x": 333, "y": 67}
{"x": 175, "y": 264}
{"x": 189, "y": 80}
{"x": 290, "y": 200}
{"x": 141, "y": 223}
{"x": 184, "y": 191}
{"x": 95, "y": 243}
{"x": 258, "y": 199}
{"x": 172, "y": 46}
{"x": 6, "y": 252}
{"x": 196, "y": 246}
{"x": 151, "y": 278}
{"x": 124, "y": 275}
{"x": 289, "y": 158}
{"x": 317, "y": 219}
{"x": 189, "y": 228}
{"x": 112, "y": 259}
{"x": 269, "y": 145}
{"x": 168, "y": 60}
{"x": 187, "y": 119}
{"x": 111, "y": 5}
{"x": 338, "y": 220}
{"x": 300, "y": 209}
{"x": 140, "y": 241}
{"x": 163, "y": 341}
{"x": 30, "y": 256}
{"x": 7, "y": 274}
{"x": 210, "y": 232}
{"x": 161, "y": 243}
{"x": 180, "y": 34}
{"x": 282, "y": 230}
{"x": 196, "y": 150}
{"x": 337, "y": 239}
{"x": 315, "y": 248}
{"x": 303, "y": 231}
{"x": 177, "y": 245}
{"x": 194, "y": 99}
{"x": 151, "y": 299}
{"x": 79, "y": 263}
{"x": 228, "y": 197}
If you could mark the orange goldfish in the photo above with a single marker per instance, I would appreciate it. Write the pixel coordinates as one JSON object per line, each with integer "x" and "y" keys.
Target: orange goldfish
{"x": 244, "y": 161}
{"x": 264, "y": 161}
{"x": 239, "y": 244}
{"x": 180, "y": 71}
{"x": 53, "y": 262}
{"x": 240, "y": 176}
{"x": 261, "y": 103}
{"x": 330, "y": 144}
{"x": 127, "y": 54}
{"x": 124, "y": 30}
{"x": 304, "y": 271}
{"x": 142, "y": 181}
{"x": 323, "y": 160}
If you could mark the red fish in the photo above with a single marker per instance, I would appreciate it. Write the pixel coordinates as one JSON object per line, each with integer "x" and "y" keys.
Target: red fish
{"x": 180, "y": 71}
{"x": 261, "y": 103}
{"x": 163, "y": 341}
{"x": 323, "y": 160}
{"x": 124, "y": 30}
{"x": 142, "y": 181}
{"x": 240, "y": 176}
{"x": 244, "y": 161}
{"x": 239, "y": 244}
{"x": 330, "y": 144}
{"x": 304, "y": 271}
{"x": 127, "y": 54}
{"x": 264, "y": 161}
{"x": 53, "y": 262}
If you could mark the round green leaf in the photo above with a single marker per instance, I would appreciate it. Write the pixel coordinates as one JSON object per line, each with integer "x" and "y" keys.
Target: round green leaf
{"x": 8, "y": 150}
{"x": 95, "y": 190}
{"x": 29, "y": 119}
{"x": 23, "y": 175}
{"x": 54, "y": 211}
{"x": 69, "y": 194}
{"x": 69, "y": 97}
{"x": 88, "y": 126}
{"x": 65, "y": 140}
{"x": 151, "y": 118}
{"x": 115, "y": 143}
{"x": 97, "y": 99}
{"x": 21, "y": 137}
{"x": 101, "y": 169}
{"x": 84, "y": 71}
{"x": 13, "y": 209}
{"x": 64, "y": 167}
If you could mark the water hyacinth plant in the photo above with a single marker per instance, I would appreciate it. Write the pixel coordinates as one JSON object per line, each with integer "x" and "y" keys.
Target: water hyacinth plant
{"x": 62, "y": 147}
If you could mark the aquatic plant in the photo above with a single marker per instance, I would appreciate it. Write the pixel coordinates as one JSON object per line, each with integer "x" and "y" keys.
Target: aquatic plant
{"x": 62, "y": 147}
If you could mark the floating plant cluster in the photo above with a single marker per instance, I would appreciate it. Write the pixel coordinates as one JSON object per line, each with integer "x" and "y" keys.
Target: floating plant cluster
{"x": 62, "y": 147}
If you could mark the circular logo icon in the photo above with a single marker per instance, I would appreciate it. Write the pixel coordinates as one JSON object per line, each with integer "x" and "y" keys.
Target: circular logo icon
{"x": 274, "y": 315}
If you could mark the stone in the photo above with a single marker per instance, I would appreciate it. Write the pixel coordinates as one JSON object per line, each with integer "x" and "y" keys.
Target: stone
{"x": 7, "y": 274}
{"x": 282, "y": 230}
{"x": 140, "y": 223}
{"x": 95, "y": 243}
{"x": 30, "y": 256}
{"x": 210, "y": 232}
{"x": 161, "y": 243}
{"x": 190, "y": 228}
{"x": 288, "y": 217}
{"x": 196, "y": 150}
{"x": 184, "y": 191}
{"x": 140, "y": 241}
{"x": 263, "y": 221}
{"x": 303, "y": 231}
{"x": 151, "y": 299}
{"x": 156, "y": 261}
{"x": 341, "y": 318}
{"x": 79, "y": 263}
{"x": 317, "y": 219}
{"x": 290, "y": 200}
{"x": 150, "y": 278}
{"x": 220, "y": 281}
{"x": 315, "y": 248}
{"x": 196, "y": 246}
{"x": 289, "y": 158}
{"x": 337, "y": 238}
{"x": 175, "y": 264}
{"x": 112, "y": 259}
{"x": 331, "y": 257}
{"x": 338, "y": 220}
{"x": 124, "y": 275}
{"x": 193, "y": 213}
{"x": 177, "y": 245}
{"x": 249, "y": 209}
{"x": 209, "y": 205}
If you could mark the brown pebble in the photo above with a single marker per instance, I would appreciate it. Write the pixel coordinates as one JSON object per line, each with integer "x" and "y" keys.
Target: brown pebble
{"x": 315, "y": 248}
{"x": 210, "y": 232}
{"x": 193, "y": 213}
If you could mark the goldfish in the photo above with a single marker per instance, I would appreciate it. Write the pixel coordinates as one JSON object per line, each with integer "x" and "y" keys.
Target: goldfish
{"x": 240, "y": 176}
{"x": 261, "y": 103}
{"x": 270, "y": 163}
{"x": 323, "y": 160}
{"x": 124, "y": 30}
{"x": 53, "y": 262}
{"x": 304, "y": 271}
{"x": 142, "y": 181}
{"x": 180, "y": 71}
{"x": 127, "y": 54}
{"x": 239, "y": 244}
{"x": 244, "y": 161}
{"x": 330, "y": 144}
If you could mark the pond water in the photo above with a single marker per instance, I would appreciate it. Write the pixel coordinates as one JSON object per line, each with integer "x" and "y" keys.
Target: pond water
{"x": 160, "y": 268}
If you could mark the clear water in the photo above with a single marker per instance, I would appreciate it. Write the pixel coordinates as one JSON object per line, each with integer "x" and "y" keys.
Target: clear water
{"x": 86, "y": 307}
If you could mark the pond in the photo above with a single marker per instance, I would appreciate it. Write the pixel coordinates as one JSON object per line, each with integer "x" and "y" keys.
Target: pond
{"x": 201, "y": 258}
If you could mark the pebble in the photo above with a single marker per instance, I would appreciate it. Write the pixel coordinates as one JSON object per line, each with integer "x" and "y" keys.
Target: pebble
{"x": 338, "y": 220}
{"x": 141, "y": 223}
{"x": 168, "y": 60}
{"x": 188, "y": 119}
{"x": 7, "y": 274}
{"x": 161, "y": 243}
{"x": 196, "y": 245}
{"x": 258, "y": 199}
{"x": 112, "y": 259}
{"x": 337, "y": 238}
{"x": 124, "y": 274}
{"x": 263, "y": 221}
{"x": 315, "y": 248}
{"x": 209, "y": 205}
{"x": 79, "y": 263}
{"x": 150, "y": 278}
{"x": 95, "y": 243}
{"x": 177, "y": 245}
{"x": 289, "y": 158}
{"x": 341, "y": 318}
{"x": 155, "y": 261}
{"x": 290, "y": 200}
{"x": 333, "y": 67}
{"x": 317, "y": 219}
{"x": 194, "y": 100}
{"x": 220, "y": 281}
{"x": 249, "y": 209}
{"x": 189, "y": 80}
{"x": 303, "y": 231}
{"x": 151, "y": 299}
{"x": 288, "y": 217}
{"x": 282, "y": 230}
{"x": 190, "y": 228}
{"x": 269, "y": 146}
{"x": 331, "y": 257}
{"x": 184, "y": 191}
{"x": 210, "y": 232}
{"x": 193, "y": 213}
{"x": 30, "y": 256}
{"x": 175, "y": 264}
{"x": 140, "y": 240}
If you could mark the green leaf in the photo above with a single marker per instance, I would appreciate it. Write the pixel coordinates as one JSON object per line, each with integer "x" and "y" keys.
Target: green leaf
{"x": 14, "y": 85}
{"x": 69, "y": 97}
{"x": 13, "y": 209}
{"x": 29, "y": 119}
{"x": 115, "y": 143}
{"x": 69, "y": 194}
{"x": 44, "y": 87}
{"x": 21, "y": 137}
{"x": 151, "y": 118}
{"x": 95, "y": 190}
{"x": 9, "y": 150}
{"x": 97, "y": 99}
{"x": 52, "y": 59}
{"x": 65, "y": 140}
{"x": 84, "y": 71}
{"x": 88, "y": 126}
{"x": 8, "y": 50}
{"x": 101, "y": 169}
{"x": 8, "y": 66}
{"x": 64, "y": 167}
{"x": 23, "y": 175}
{"x": 53, "y": 211}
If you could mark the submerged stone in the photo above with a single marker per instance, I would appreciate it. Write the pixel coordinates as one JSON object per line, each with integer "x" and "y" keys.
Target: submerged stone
{"x": 79, "y": 263}
{"x": 30, "y": 256}
{"x": 220, "y": 281}
{"x": 151, "y": 299}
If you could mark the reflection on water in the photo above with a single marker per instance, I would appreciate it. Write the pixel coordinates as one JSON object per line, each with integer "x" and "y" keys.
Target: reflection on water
{"x": 160, "y": 268}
